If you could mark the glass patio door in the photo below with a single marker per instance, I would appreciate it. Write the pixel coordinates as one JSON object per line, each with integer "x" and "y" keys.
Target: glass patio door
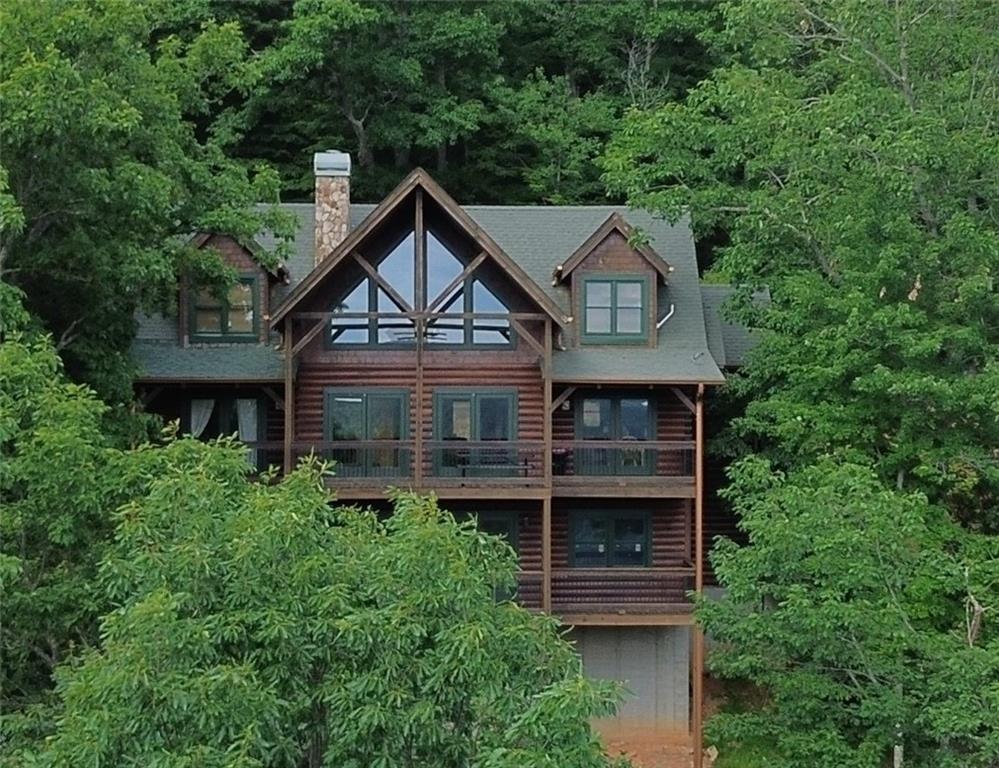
{"x": 615, "y": 419}
{"x": 476, "y": 417}
{"x": 369, "y": 417}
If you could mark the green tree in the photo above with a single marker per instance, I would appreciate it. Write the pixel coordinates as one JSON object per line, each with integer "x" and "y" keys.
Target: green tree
{"x": 112, "y": 159}
{"x": 864, "y": 614}
{"x": 848, "y": 150}
{"x": 58, "y": 482}
{"x": 462, "y": 87}
{"x": 396, "y": 83}
{"x": 257, "y": 625}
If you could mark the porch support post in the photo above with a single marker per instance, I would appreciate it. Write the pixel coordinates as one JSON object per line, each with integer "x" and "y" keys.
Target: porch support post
{"x": 546, "y": 509}
{"x": 419, "y": 328}
{"x": 697, "y": 651}
{"x": 546, "y": 553}
{"x": 289, "y": 394}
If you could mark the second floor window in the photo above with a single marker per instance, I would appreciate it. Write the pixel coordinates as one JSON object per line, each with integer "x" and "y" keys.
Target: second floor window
{"x": 229, "y": 318}
{"x": 615, "y": 309}
{"x": 363, "y": 419}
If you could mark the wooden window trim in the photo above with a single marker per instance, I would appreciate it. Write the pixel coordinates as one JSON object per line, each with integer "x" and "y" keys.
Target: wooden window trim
{"x": 613, "y": 337}
{"x": 224, "y": 336}
{"x": 610, "y": 515}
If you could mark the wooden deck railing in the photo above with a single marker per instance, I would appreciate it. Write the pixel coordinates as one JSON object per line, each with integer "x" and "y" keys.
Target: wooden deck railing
{"x": 488, "y": 463}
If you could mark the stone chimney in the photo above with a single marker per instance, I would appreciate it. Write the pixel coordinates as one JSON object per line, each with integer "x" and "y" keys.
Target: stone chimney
{"x": 332, "y": 171}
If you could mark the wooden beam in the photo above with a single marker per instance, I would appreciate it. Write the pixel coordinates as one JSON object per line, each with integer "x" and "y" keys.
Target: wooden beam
{"x": 697, "y": 651}
{"x": 546, "y": 554}
{"x": 563, "y": 396}
{"x": 684, "y": 399}
{"x": 278, "y": 400}
{"x": 628, "y": 619}
{"x": 420, "y": 329}
{"x": 699, "y": 491}
{"x": 382, "y": 283}
{"x": 419, "y": 249}
{"x": 289, "y": 394}
{"x": 495, "y": 492}
{"x": 565, "y": 487}
{"x": 314, "y": 331}
{"x": 466, "y": 272}
{"x": 546, "y": 508}
{"x": 536, "y": 345}
{"x": 546, "y": 366}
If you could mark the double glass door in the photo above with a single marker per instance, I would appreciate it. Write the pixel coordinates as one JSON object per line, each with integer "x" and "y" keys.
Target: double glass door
{"x": 371, "y": 417}
{"x": 618, "y": 419}
{"x": 476, "y": 417}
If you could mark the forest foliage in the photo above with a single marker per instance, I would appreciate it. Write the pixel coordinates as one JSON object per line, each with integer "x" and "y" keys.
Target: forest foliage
{"x": 841, "y": 154}
{"x": 849, "y": 152}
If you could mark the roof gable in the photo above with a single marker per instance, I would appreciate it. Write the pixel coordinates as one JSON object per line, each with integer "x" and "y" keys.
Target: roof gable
{"x": 418, "y": 180}
{"x": 614, "y": 223}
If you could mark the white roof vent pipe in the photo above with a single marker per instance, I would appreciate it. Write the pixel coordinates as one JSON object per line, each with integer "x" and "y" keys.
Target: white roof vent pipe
{"x": 661, "y": 323}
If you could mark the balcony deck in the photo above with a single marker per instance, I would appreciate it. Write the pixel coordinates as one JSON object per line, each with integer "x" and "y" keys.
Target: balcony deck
{"x": 456, "y": 469}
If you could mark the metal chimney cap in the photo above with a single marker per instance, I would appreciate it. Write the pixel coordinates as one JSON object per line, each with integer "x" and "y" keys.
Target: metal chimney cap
{"x": 331, "y": 163}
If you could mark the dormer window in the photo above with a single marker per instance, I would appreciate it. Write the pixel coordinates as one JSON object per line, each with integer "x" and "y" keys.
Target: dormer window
{"x": 232, "y": 318}
{"x": 615, "y": 309}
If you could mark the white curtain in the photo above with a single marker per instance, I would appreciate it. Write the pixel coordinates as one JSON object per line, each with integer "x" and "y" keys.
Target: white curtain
{"x": 201, "y": 412}
{"x": 246, "y": 419}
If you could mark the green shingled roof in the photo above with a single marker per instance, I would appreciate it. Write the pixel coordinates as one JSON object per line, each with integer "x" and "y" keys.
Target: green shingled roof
{"x": 729, "y": 342}
{"x": 693, "y": 344}
{"x": 168, "y": 360}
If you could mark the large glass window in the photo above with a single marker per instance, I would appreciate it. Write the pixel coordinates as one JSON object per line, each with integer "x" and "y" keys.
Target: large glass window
{"x": 398, "y": 270}
{"x": 602, "y": 539}
{"x": 232, "y": 317}
{"x": 476, "y": 417}
{"x": 450, "y": 328}
{"x": 615, "y": 309}
{"x": 617, "y": 419}
{"x": 471, "y": 295}
{"x": 367, "y": 417}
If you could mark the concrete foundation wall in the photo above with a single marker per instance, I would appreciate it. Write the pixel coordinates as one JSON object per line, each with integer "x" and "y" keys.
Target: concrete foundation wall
{"x": 654, "y": 665}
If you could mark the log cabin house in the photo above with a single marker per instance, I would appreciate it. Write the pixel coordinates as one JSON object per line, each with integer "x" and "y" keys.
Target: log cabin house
{"x": 542, "y": 368}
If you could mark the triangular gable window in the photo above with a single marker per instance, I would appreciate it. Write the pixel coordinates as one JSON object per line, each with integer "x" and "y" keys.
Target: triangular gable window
{"x": 398, "y": 270}
{"x": 442, "y": 267}
{"x": 489, "y": 330}
{"x": 352, "y": 330}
